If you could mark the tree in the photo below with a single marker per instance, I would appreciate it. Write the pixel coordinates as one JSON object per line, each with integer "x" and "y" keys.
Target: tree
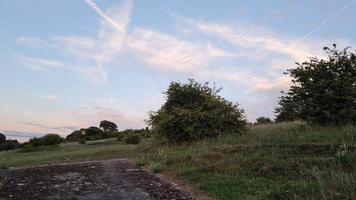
{"x": 323, "y": 91}
{"x": 195, "y": 111}
{"x": 2, "y": 138}
{"x": 263, "y": 120}
{"x": 288, "y": 109}
{"x": 75, "y": 136}
{"x": 93, "y": 133}
{"x": 108, "y": 126}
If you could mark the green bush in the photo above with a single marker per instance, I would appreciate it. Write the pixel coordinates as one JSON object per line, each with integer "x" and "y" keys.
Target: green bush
{"x": 9, "y": 145}
{"x": 26, "y": 148}
{"x": 76, "y": 136}
{"x": 52, "y": 139}
{"x": 194, "y": 111}
{"x": 2, "y": 138}
{"x": 263, "y": 120}
{"x": 94, "y": 133}
{"x": 120, "y": 137}
{"x": 323, "y": 90}
{"x": 132, "y": 139}
{"x": 49, "y": 139}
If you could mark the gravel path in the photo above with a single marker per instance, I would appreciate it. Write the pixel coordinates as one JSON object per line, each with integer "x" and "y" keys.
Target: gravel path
{"x": 111, "y": 179}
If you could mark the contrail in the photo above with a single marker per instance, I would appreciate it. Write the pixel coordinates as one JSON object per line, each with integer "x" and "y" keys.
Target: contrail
{"x": 103, "y": 15}
{"x": 326, "y": 21}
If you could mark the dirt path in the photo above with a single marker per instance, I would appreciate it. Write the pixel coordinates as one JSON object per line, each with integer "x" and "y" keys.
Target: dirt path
{"x": 111, "y": 179}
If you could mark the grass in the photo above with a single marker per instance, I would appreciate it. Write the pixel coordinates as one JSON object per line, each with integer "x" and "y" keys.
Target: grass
{"x": 65, "y": 153}
{"x": 275, "y": 161}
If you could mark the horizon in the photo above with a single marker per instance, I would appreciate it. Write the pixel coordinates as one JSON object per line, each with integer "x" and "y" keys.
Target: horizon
{"x": 68, "y": 65}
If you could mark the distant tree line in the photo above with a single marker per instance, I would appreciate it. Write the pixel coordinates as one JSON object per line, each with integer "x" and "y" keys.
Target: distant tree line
{"x": 6, "y": 144}
{"x": 106, "y": 129}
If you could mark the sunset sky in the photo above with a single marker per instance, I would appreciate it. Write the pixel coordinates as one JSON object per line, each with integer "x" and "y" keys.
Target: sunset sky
{"x": 67, "y": 64}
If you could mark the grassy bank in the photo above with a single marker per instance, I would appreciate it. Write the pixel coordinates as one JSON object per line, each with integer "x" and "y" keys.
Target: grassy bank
{"x": 277, "y": 161}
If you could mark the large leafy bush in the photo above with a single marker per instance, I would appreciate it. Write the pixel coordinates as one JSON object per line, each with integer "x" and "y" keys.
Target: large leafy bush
{"x": 194, "y": 111}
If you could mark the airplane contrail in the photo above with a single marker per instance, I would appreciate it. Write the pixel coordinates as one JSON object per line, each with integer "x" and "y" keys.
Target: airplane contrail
{"x": 101, "y": 13}
{"x": 323, "y": 23}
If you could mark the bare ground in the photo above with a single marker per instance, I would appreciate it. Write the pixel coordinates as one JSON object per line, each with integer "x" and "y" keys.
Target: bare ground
{"x": 110, "y": 179}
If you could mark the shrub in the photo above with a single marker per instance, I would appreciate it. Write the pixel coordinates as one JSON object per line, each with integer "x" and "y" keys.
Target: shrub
{"x": 120, "y": 137}
{"x": 9, "y": 145}
{"x": 263, "y": 120}
{"x": 2, "y": 138}
{"x": 94, "y": 133}
{"x": 194, "y": 111}
{"x": 27, "y": 148}
{"x": 49, "y": 139}
{"x": 132, "y": 139}
{"x": 75, "y": 136}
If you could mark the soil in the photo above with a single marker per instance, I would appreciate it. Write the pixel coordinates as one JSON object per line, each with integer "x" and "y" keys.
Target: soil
{"x": 110, "y": 179}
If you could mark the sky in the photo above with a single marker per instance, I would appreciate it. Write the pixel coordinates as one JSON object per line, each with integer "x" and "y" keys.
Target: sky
{"x": 68, "y": 64}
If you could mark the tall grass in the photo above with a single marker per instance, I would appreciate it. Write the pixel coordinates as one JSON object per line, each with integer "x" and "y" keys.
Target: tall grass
{"x": 292, "y": 133}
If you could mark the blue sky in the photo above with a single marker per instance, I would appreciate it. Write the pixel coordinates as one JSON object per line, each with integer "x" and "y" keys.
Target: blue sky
{"x": 67, "y": 64}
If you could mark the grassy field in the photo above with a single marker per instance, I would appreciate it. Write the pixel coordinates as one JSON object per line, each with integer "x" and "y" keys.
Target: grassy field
{"x": 277, "y": 161}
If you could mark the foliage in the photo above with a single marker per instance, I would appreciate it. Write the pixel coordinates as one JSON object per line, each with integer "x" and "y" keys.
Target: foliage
{"x": 52, "y": 139}
{"x": 46, "y": 140}
{"x": 324, "y": 91}
{"x": 9, "y": 145}
{"x": 108, "y": 126}
{"x": 76, "y": 136}
{"x": 94, "y": 133}
{"x": 144, "y": 133}
{"x": 263, "y": 120}
{"x": 195, "y": 111}
{"x": 120, "y": 137}
{"x": 132, "y": 139}
{"x": 107, "y": 130}
{"x": 287, "y": 110}
{"x": 2, "y": 138}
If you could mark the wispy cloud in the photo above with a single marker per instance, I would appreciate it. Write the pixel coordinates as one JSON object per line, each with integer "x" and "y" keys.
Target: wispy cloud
{"x": 61, "y": 129}
{"x": 183, "y": 54}
{"x": 31, "y": 41}
{"x": 51, "y": 97}
{"x": 106, "y": 109}
{"x": 91, "y": 55}
{"x": 39, "y": 64}
{"x": 258, "y": 38}
{"x": 171, "y": 53}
